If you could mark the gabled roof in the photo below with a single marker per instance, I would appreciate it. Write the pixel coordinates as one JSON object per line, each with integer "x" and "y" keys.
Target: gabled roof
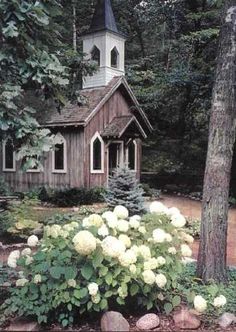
{"x": 103, "y": 18}
{"x": 118, "y": 126}
{"x": 94, "y": 99}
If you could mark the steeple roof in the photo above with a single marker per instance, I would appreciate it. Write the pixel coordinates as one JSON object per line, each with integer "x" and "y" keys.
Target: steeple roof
{"x": 103, "y": 18}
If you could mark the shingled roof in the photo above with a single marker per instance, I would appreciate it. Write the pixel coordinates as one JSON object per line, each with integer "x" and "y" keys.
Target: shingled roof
{"x": 78, "y": 114}
{"x": 93, "y": 100}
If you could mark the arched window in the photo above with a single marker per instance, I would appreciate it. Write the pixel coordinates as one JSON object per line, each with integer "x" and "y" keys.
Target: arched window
{"x": 97, "y": 154}
{"x": 59, "y": 157}
{"x": 131, "y": 155}
{"x": 9, "y": 160}
{"x": 114, "y": 57}
{"x": 95, "y": 55}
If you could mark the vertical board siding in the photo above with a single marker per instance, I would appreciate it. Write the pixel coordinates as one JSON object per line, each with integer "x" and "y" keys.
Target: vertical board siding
{"x": 22, "y": 181}
{"x": 117, "y": 105}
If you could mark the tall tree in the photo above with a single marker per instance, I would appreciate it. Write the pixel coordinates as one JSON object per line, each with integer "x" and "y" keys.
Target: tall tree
{"x": 212, "y": 253}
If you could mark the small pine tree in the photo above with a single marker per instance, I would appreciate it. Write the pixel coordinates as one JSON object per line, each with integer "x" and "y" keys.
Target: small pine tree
{"x": 124, "y": 189}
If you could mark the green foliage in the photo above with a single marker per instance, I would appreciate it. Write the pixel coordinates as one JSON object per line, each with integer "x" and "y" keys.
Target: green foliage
{"x": 4, "y": 188}
{"x": 123, "y": 189}
{"x": 72, "y": 197}
{"x": 73, "y": 278}
{"x": 193, "y": 227}
{"x": 20, "y": 220}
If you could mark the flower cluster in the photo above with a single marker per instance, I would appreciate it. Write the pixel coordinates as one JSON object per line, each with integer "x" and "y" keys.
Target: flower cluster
{"x": 200, "y": 304}
{"x": 112, "y": 255}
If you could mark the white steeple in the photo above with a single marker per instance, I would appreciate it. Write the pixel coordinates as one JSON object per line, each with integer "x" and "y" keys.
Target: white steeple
{"x": 104, "y": 44}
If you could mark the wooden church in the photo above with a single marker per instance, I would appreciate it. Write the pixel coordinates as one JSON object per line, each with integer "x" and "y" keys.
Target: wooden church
{"x": 104, "y": 132}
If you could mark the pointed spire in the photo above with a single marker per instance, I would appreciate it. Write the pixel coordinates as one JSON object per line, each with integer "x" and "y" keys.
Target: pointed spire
{"x": 103, "y": 18}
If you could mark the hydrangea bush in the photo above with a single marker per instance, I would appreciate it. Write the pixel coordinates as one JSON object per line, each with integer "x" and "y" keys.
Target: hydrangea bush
{"x": 104, "y": 260}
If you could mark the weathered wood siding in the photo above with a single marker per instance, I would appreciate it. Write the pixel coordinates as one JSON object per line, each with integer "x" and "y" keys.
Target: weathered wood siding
{"x": 74, "y": 176}
{"x": 117, "y": 105}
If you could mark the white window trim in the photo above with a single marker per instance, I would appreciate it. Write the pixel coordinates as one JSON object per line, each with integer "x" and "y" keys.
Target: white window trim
{"x": 32, "y": 170}
{"x": 135, "y": 155}
{"x": 4, "y": 159}
{"x": 95, "y": 171}
{"x": 60, "y": 171}
{"x": 118, "y": 58}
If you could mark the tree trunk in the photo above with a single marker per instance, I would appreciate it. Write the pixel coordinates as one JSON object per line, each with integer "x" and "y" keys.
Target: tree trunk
{"x": 213, "y": 245}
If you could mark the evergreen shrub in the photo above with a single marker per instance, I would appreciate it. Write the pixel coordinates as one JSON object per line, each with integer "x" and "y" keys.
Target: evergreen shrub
{"x": 124, "y": 189}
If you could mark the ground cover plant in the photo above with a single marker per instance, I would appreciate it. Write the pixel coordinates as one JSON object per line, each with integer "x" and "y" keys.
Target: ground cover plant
{"x": 107, "y": 261}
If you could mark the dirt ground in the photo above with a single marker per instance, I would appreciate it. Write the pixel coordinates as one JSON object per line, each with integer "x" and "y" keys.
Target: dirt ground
{"x": 192, "y": 209}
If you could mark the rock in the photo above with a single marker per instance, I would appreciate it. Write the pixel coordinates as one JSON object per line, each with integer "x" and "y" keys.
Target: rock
{"x": 226, "y": 320}
{"x": 148, "y": 322}
{"x": 23, "y": 325}
{"x": 186, "y": 320}
{"x": 114, "y": 321}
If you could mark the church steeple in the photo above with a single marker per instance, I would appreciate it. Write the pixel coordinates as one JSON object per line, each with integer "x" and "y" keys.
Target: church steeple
{"x": 104, "y": 44}
{"x": 103, "y": 18}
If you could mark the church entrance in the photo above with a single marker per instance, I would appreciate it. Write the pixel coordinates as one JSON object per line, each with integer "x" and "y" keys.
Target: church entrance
{"x": 115, "y": 158}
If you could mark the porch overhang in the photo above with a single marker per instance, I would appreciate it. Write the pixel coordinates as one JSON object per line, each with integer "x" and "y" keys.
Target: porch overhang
{"x": 123, "y": 126}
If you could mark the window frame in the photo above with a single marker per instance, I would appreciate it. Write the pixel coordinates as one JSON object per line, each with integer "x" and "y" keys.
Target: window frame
{"x": 91, "y": 55}
{"x": 64, "y": 170}
{"x": 135, "y": 155}
{"x": 4, "y": 168}
{"x": 32, "y": 170}
{"x": 117, "y": 58}
{"x": 93, "y": 139}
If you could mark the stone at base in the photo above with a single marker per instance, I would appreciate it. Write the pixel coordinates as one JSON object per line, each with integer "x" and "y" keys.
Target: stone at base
{"x": 23, "y": 325}
{"x": 185, "y": 320}
{"x": 114, "y": 321}
{"x": 148, "y": 322}
{"x": 226, "y": 320}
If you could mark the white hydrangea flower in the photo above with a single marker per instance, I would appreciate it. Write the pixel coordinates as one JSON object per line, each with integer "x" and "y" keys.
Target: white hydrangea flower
{"x": 103, "y": 231}
{"x": 178, "y": 220}
{"x": 37, "y": 278}
{"x": 96, "y": 299}
{"x": 220, "y": 301}
{"x": 134, "y": 223}
{"x": 28, "y": 260}
{"x": 125, "y": 239}
{"x": 121, "y": 212}
{"x": 169, "y": 237}
{"x": 71, "y": 283}
{"x": 86, "y": 223}
{"x": 32, "y": 241}
{"x": 112, "y": 247}
{"x": 161, "y": 261}
{"x": 123, "y": 225}
{"x": 128, "y": 258}
{"x": 172, "y": 211}
{"x": 172, "y": 251}
{"x": 158, "y": 207}
{"x": 133, "y": 268}
{"x": 12, "y": 258}
{"x": 144, "y": 251}
{"x": 200, "y": 304}
{"x": 142, "y": 230}
{"x": 150, "y": 264}
{"x": 26, "y": 252}
{"x": 95, "y": 220}
{"x": 55, "y": 231}
{"x": 135, "y": 249}
{"x": 93, "y": 288}
{"x": 84, "y": 242}
{"x": 186, "y": 250}
{"x": 68, "y": 227}
{"x": 149, "y": 277}
{"x": 74, "y": 224}
{"x": 64, "y": 234}
{"x": 111, "y": 219}
{"x": 161, "y": 280}
{"x": 159, "y": 235}
{"x": 186, "y": 237}
{"x": 21, "y": 282}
